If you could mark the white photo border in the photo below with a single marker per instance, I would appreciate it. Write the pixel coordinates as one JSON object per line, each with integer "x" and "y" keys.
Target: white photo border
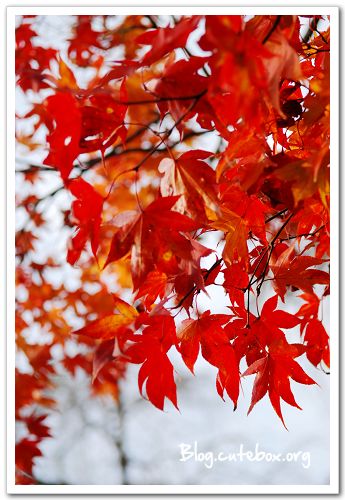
{"x": 193, "y": 9}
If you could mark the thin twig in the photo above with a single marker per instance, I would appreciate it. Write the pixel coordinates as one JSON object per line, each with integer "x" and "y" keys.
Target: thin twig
{"x": 160, "y": 99}
{"x": 251, "y": 281}
{"x": 276, "y": 215}
{"x": 271, "y": 247}
{"x": 158, "y": 145}
{"x": 303, "y": 234}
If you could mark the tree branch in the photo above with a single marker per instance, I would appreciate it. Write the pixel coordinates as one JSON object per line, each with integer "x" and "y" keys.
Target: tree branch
{"x": 272, "y": 30}
{"x": 94, "y": 161}
{"x": 161, "y": 99}
{"x": 303, "y": 234}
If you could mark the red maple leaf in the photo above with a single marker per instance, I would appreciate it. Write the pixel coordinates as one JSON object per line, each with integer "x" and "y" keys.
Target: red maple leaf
{"x": 150, "y": 348}
{"x": 154, "y": 235}
{"x": 294, "y": 270}
{"x": 87, "y": 212}
{"x": 273, "y": 372}
{"x": 164, "y": 40}
{"x": 317, "y": 342}
{"x": 216, "y": 348}
{"x": 64, "y": 132}
{"x": 275, "y": 362}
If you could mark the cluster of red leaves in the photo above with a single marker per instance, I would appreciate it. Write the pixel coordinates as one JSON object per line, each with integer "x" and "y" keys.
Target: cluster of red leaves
{"x": 264, "y": 91}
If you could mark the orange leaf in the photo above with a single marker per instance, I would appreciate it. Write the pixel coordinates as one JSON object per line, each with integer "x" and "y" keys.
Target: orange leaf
{"x": 110, "y": 326}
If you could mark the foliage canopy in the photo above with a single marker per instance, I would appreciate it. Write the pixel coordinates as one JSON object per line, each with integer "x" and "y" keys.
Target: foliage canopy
{"x": 121, "y": 116}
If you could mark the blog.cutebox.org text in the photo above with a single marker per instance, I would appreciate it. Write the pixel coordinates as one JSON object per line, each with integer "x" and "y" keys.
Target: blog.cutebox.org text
{"x": 210, "y": 458}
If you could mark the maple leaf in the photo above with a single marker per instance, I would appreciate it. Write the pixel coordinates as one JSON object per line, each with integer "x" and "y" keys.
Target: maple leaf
{"x": 274, "y": 363}
{"x": 312, "y": 216}
{"x": 272, "y": 375}
{"x": 150, "y": 348}
{"x": 83, "y": 42}
{"x": 110, "y": 326}
{"x": 102, "y": 115}
{"x": 64, "y": 132}
{"x": 299, "y": 175}
{"x": 241, "y": 214}
{"x": 216, "y": 348}
{"x": 236, "y": 235}
{"x": 154, "y": 286}
{"x": 122, "y": 240}
{"x": 238, "y": 73}
{"x": 25, "y": 242}
{"x": 193, "y": 179}
{"x": 87, "y": 211}
{"x": 158, "y": 373}
{"x": 155, "y": 232}
{"x": 317, "y": 342}
{"x": 244, "y": 160}
{"x": 311, "y": 305}
{"x": 284, "y": 63}
{"x": 235, "y": 282}
{"x": 107, "y": 380}
{"x": 31, "y": 60}
{"x": 271, "y": 315}
{"x": 26, "y": 451}
{"x": 159, "y": 212}
{"x": 164, "y": 40}
{"x": 290, "y": 270}
{"x": 119, "y": 70}
{"x": 219, "y": 29}
{"x": 309, "y": 309}
{"x": 181, "y": 79}
{"x": 253, "y": 335}
{"x": 36, "y": 426}
{"x": 190, "y": 335}
{"x": 78, "y": 361}
{"x": 104, "y": 353}
{"x": 190, "y": 275}
{"x": 67, "y": 79}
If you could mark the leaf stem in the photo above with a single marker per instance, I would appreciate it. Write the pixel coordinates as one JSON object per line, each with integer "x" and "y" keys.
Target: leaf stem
{"x": 271, "y": 247}
{"x": 207, "y": 273}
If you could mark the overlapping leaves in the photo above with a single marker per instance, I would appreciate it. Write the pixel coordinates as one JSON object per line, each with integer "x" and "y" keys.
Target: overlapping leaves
{"x": 153, "y": 194}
